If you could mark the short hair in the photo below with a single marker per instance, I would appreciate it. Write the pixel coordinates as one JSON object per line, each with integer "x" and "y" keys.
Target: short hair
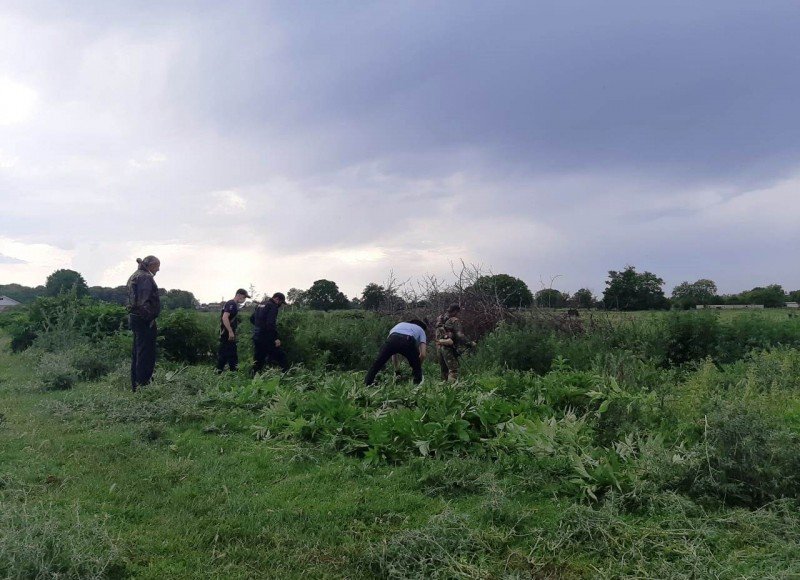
{"x": 453, "y": 308}
{"x": 419, "y": 323}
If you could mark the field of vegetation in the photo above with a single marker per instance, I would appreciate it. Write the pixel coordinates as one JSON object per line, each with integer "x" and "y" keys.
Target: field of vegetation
{"x": 646, "y": 445}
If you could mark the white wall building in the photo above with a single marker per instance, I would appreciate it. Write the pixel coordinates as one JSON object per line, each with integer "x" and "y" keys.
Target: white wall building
{"x": 6, "y": 303}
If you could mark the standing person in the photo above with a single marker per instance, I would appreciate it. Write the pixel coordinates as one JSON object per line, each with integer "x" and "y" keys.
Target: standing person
{"x": 408, "y": 339}
{"x": 228, "y": 322}
{"x": 449, "y": 337}
{"x": 266, "y": 344}
{"x": 144, "y": 305}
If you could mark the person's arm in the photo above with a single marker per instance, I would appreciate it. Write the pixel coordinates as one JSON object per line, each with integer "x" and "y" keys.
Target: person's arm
{"x": 271, "y": 322}
{"x": 458, "y": 334}
{"x": 423, "y": 350}
{"x": 226, "y": 322}
{"x": 142, "y": 293}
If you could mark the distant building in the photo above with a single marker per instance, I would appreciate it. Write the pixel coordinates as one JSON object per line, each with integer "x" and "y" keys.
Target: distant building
{"x": 6, "y": 303}
{"x": 730, "y": 306}
{"x": 793, "y": 305}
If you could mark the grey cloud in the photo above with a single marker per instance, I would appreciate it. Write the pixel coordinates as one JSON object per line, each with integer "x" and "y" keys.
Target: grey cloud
{"x": 10, "y": 260}
{"x": 344, "y": 124}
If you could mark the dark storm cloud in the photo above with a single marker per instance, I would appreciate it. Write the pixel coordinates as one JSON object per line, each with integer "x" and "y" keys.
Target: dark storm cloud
{"x": 563, "y": 137}
{"x": 686, "y": 91}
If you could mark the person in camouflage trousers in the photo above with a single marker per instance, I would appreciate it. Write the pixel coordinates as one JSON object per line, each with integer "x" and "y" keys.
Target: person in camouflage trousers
{"x": 449, "y": 337}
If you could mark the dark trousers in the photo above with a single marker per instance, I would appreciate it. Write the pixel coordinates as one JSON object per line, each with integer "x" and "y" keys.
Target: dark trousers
{"x": 265, "y": 352}
{"x": 143, "y": 355}
{"x": 228, "y": 354}
{"x": 397, "y": 344}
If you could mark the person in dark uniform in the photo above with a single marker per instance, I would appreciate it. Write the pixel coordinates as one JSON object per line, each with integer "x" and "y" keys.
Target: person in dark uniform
{"x": 144, "y": 305}
{"x": 266, "y": 344}
{"x": 408, "y": 339}
{"x": 228, "y": 322}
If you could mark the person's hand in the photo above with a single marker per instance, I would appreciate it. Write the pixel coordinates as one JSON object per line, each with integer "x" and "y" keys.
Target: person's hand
{"x": 231, "y": 337}
{"x": 277, "y": 343}
{"x": 473, "y": 344}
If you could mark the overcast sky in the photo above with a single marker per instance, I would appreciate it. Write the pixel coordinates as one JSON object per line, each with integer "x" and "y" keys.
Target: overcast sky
{"x": 278, "y": 143}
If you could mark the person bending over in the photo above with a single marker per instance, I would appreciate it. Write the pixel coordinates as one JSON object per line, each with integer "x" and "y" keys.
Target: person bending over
{"x": 408, "y": 339}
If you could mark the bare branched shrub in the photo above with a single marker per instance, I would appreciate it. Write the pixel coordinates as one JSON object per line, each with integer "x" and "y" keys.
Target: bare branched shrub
{"x": 483, "y": 309}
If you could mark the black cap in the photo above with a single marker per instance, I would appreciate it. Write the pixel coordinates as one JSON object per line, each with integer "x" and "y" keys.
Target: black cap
{"x": 279, "y": 296}
{"x": 243, "y": 292}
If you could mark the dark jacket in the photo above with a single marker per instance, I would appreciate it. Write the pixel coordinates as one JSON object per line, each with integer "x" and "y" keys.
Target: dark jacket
{"x": 265, "y": 321}
{"x": 143, "y": 299}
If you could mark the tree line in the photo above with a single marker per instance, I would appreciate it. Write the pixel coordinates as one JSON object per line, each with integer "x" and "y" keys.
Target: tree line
{"x": 64, "y": 281}
{"x": 626, "y": 290}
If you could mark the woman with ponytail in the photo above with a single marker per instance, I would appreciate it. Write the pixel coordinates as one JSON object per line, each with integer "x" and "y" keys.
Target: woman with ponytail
{"x": 144, "y": 306}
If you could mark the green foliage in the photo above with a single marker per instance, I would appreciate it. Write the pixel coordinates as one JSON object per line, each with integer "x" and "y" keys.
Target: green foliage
{"x": 20, "y": 293}
{"x": 772, "y": 296}
{"x": 41, "y": 541}
{"x": 627, "y": 457}
{"x": 448, "y": 546}
{"x": 373, "y": 296}
{"x": 517, "y": 348}
{"x": 630, "y": 290}
{"x": 55, "y": 371}
{"x": 116, "y": 295}
{"x": 344, "y": 340}
{"x": 690, "y": 337}
{"x": 59, "y": 322}
{"x": 323, "y": 295}
{"x": 583, "y": 298}
{"x": 551, "y": 298}
{"x": 184, "y": 336}
{"x": 511, "y": 292}
{"x": 751, "y": 459}
{"x": 688, "y": 295}
{"x": 66, "y": 281}
{"x": 175, "y": 299}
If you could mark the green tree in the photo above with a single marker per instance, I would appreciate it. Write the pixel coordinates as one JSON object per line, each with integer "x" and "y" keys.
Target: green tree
{"x": 794, "y": 296}
{"x": 175, "y": 299}
{"x": 583, "y": 298}
{"x": 772, "y": 296}
{"x": 551, "y": 298}
{"x": 689, "y": 294}
{"x": 64, "y": 281}
{"x": 117, "y": 295}
{"x": 373, "y": 296}
{"x": 296, "y": 297}
{"x": 510, "y": 291}
{"x": 325, "y": 295}
{"x": 630, "y": 290}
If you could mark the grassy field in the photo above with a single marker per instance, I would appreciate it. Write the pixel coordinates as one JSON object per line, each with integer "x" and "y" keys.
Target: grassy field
{"x": 619, "y": 467}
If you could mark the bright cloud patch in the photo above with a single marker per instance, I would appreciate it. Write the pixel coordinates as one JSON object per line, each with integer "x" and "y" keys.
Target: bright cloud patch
{"x": 227, "y": 203}
{"x": 17, "y": 102}
{"x": 149, "y": 160}
{"x": 30, "y": 264}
